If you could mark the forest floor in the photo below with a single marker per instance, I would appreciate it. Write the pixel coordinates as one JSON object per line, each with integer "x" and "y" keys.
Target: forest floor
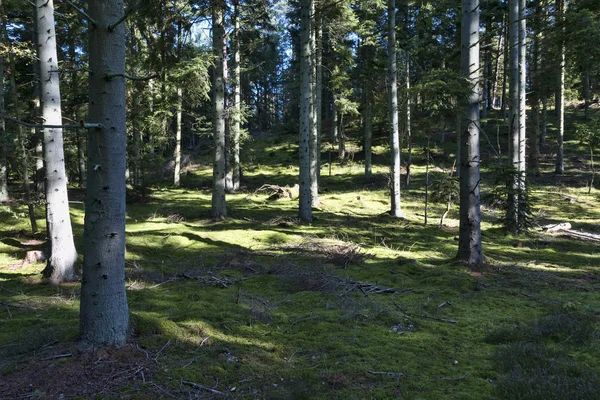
{"x": 355, "y": 305}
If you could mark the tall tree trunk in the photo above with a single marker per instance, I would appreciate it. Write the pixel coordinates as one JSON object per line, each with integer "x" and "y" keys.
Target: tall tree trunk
{"x": 507, "y": 54}
{"x": 314, "y": 136}
{"x": 219, "y": 206}
{"x": 396, "y": 209}
{"x": 499, "y": 55}
{"x": 104, "y": 315}
{"x": 407, "y": 124}
{"x": 177, "y": 154}
{"x": 62, "y": 253}
{"x": 469, "y": 245}
{"x": 304, "y": 198}
{"x": 334, "y": 121}
{"x": 522, "y": 110}
{"x": 38, "y": 133}
{"x": 368, "y": 129}
{"x": 512, "y": 216}
{"x": 3, "y": 141}
{"x": 237, "y": 106}
{"x": 560, "y": 96}
{"x": 319, "y": 90}
{"x": 534, "y": 148}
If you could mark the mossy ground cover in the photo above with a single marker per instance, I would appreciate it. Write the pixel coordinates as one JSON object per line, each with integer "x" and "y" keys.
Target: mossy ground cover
{"x": 356, "y": 304}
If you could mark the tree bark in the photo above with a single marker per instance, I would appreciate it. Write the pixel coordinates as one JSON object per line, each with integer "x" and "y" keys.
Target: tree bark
{"x": 237, "y": 98}
{"x": 368, "y": 129}
{"x": 522, "y": 111}
{"x": 3, "y": 141}
{"x": 560, "y": 96}
{"x": 512, "y": 216}
{"x": 104, "y": 315}
{"x": 304, "y": 198}
{"x": 469, "y": 245}
{"x": 177, "y": 154}
{"x": 314, "y": 129}
{"x": 396, "y": 209}
{"x": 219, "y": 206}
{"x": 534, "y": 148}
{"x": 61, "y": 247}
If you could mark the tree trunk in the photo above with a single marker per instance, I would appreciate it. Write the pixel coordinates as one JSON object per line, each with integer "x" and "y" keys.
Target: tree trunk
{"x": 62, "y": 254}
{"x": 534, "y": 148}
{"x": 219, "y": 206}
{"x": 560, "y": 97}
{"x": 304, "y": 198}
{"x": 368, "y": 130}
{"x": 396, "y": 210}
{"x": 3, "y": 141}
{"x": 512, "y": 216}
{"x": 104, "y": 315}
{"x": 522, "y": 111}
{"x": 319, "y": 94}
{"x": 407, "y": 126}
{"x": 177, "y": 154}
{"x": 469, "y": 245}
{"x": 237, "y": 107}
{"x": 499, "y": 54}
{"x": 314, "y": 136}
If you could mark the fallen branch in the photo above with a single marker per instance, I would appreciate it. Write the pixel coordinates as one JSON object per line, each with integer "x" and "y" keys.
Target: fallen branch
{"x": 392, "y": 374}
{"x": 563, "y": 226}
{"x": 44, "y": 126}
{"x": 57, "y": 356}
{"x": 202, "y": 387}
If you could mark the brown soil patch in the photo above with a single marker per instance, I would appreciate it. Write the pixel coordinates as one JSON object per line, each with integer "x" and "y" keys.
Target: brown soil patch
{"x": 63, "y": 371}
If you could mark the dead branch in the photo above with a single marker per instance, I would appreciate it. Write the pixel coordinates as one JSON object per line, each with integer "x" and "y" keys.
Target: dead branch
{"x": 202, "y": 387}
{"x": 57, "y": 356}
{"x": 563, "y": 226}
{"x": 386, "y": 373}
{"x": 449, "y": 321}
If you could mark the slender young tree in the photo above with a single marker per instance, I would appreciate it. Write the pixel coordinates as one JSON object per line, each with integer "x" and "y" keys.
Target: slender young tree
{"x": 313, "y": 122}
{"x": 469, "y": 247}
{"x": 177, "y": 152}
{"x": 61, "y": 247}
{"x": 219, "y": 206}
{"x": 522, "y": 101}
{"x": 104, "y": 315}
{"x": 304, "y": 198}
{"x": 396, "y": 210}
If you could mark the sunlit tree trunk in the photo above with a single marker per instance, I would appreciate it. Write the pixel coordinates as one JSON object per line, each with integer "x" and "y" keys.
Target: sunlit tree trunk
{"x": 534, "y": 148}
{"x": 407, "y": 126}
{"x": 319, "y": 92}
{"x": 237, "y": 98}
{"x": 62, "y": 254}
{"x": 560, "y": 95}
{"x": 104, "y": 315}
{"x": 3, "y": 141}
{"x": 219, "y": 207}
{"x": 522, "y": 110}
{"x": 177, "y": 154}
{"x": 304, "y": 198}
{"x": 469, "y": 247}
{"x": 368, "y": 117}
{"x": 314, "y": 134}
{"x": 512, "y": 216}
{"x": 396, "y": 210}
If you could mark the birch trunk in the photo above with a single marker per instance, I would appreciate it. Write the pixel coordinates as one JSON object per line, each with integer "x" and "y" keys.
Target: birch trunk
{"x": 469, "y": 246}
{"x": 396, "y": 210}
{"x": 522, "y": 111}
{"x": 219, "y": 206}
{"x": 104, "y": 315}
{"x": 304, "y": 198}
{"x": 61, "y": 248}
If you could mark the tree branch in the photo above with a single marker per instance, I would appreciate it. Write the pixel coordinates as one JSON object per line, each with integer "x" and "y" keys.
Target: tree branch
{"x": 128, "y": 12}
{"x": 80, "y": 11}
{"x": 43, "y": 126}
{"x": 133, "y": 78}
